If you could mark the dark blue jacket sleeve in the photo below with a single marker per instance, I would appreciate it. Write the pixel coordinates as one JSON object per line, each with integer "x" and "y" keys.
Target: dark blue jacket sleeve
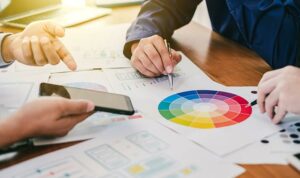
{"x": 271, "y": 28}
{"x": 160, "y": 17}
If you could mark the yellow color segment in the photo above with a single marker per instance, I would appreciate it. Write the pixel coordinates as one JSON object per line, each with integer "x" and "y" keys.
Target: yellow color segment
{"x": 192, "y": 121}
{"x": 136, "y": 169}
{"x": 187, "y": 117}
{"x": 181, "y": 121}
{"x": 203, "y": 123}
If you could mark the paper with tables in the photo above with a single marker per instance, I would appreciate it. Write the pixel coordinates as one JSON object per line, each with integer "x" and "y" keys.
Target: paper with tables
{"x": 136, "y": 149}
{"x": 129, "y": 81}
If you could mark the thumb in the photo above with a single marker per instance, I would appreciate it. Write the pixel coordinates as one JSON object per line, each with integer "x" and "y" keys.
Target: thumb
{"x": 54, "y": 29}
{"x": 76, "y": 107}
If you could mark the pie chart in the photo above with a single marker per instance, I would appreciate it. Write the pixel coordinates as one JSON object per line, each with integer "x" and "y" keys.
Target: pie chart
{"x": 205, "y": 109}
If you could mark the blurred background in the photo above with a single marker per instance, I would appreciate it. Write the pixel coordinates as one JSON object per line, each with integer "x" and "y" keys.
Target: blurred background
{"x": 19, "y": 13}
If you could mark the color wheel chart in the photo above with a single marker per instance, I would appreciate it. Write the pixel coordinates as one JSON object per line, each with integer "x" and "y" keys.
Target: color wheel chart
{"x": 205, "y": 109}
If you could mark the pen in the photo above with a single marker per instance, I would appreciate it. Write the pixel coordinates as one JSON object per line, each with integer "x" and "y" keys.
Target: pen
{"x": 17, "y": 147}
{"x": 253, "y": 103}
{"x": 170, "y": 75}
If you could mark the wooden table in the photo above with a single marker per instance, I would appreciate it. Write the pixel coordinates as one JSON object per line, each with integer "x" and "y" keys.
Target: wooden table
{"x": 222, "y": 60}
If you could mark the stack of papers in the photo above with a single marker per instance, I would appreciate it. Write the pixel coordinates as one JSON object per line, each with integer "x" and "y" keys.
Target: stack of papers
{"x": 212, "y": 121}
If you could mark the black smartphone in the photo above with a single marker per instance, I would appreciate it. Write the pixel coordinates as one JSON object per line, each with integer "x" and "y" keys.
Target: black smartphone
{"x": 104, "y": 101}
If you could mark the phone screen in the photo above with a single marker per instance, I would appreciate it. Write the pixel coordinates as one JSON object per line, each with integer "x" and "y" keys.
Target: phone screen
{"x": 104, "y": 101}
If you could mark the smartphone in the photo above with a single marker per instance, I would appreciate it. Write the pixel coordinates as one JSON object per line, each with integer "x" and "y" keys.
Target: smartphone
{"x": 294, "y": 160}
{"x": 104, "y": 101}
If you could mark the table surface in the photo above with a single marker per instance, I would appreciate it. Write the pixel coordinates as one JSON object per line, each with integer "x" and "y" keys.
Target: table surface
{"x": 215, "y": 55}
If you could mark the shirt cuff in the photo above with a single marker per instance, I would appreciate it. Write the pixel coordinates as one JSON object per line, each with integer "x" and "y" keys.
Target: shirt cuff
{"x": 2, "y": 62}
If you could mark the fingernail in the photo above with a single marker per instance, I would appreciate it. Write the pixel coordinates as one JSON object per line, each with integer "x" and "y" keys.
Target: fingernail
{"x": 90, "y": 107}
{"x": 169, "y": 69}
{"x": 165, "y": 73}
{"x": 72, "y": 66}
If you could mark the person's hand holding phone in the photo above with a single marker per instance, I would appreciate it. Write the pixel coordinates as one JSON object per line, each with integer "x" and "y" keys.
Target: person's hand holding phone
{"x": 46, "y": 116}
{"x": 38, "y": 45}
{"x": 151, "y": 57}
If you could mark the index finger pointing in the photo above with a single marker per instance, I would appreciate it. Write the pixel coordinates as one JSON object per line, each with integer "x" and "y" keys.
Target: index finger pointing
{"x": 65, "y": 55}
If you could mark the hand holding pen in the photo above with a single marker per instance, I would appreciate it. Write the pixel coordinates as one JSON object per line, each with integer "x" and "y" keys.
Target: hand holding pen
{"x": 151, "y": 57}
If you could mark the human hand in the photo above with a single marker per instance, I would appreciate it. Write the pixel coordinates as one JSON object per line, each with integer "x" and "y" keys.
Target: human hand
{"x": 280, "y": 88}
{"x": 38, "y": 45}
{"x": 151, "y": 57}
{"x": 50, "y": 116}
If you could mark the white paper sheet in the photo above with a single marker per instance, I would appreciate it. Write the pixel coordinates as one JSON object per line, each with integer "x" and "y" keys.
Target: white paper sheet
{"x": 25, "y": 77}
{"x": 186, "y": 75}
{"x": 91, "y": 79}
{"x": 102, "y": 45}
{"x": 130, "y": 149}
{"x": 13, "y": 96}
{"x": 220, "y": 141}
{"x": 92, "y": 126}
{"x": 92, "y": 46}
{"x": 127, "y": 78}
{"x": 273, "y": 149}
{"x": 88, "y": 129}
{"x": 146, "y": 95}
{"x": 17, "y": 89}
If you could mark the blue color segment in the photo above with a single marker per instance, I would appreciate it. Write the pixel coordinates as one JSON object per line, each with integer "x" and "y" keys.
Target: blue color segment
{"x": 191, "y": 97}
{"x": 186, "y": 93}
{"x": 164, "y": 106}
{"x": 212, "y": 92}
{"x": 172, "y": 98}
{"x": 189, "y": 94}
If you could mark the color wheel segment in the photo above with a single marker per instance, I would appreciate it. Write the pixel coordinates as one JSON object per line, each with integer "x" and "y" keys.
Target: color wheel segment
{"x": 205, "y": 109}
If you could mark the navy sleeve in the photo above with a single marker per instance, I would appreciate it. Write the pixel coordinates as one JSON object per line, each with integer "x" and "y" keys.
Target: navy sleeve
{"x": 160, "y": 17}
{"x": 271, "y": 28}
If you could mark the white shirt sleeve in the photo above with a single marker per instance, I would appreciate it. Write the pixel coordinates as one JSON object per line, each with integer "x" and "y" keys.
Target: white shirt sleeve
{"x": 2, "y": 62}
